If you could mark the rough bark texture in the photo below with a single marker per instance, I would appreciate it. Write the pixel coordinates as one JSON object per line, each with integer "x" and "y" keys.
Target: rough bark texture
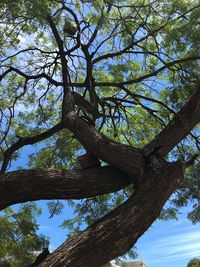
{"x": 36, "y": 184}
{"x": 179, "y": 127}
{"x": 116, "y": 233}
{"x": 129, "y": 159}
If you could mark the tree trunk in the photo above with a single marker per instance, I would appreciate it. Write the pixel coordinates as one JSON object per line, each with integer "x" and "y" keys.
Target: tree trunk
{"x": 118, "y": 231}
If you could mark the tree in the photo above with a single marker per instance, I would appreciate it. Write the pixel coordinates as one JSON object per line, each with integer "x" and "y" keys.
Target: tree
{"x": 121, "y": 83}
{"x": 18, "y": 238}
{"x": 194, "y": 263}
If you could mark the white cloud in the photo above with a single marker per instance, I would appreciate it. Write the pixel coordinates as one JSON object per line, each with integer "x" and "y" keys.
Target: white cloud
{"x": 176, "y": 247}
{"x": 174, "y": 242}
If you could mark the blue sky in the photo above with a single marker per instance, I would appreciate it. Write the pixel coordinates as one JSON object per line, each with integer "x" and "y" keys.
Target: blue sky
{"x": 166, "y": 243}
{"x": 172, "y": 243}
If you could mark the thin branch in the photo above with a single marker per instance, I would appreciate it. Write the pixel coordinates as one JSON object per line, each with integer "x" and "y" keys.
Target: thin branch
{"x": 27, "y": 141}
{"x": 89, "y": 80}
{"x": 31, "y": 77}
{"x": 154, "y": 100}
{"x": 167, "y": 65}
{"x": 27, "y": 50}
{"x": 152, "y": 33}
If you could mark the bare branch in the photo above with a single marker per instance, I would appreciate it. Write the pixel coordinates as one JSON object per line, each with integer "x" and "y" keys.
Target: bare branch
{"x": 39, "y": 76}
{"x": 28, "y": 50}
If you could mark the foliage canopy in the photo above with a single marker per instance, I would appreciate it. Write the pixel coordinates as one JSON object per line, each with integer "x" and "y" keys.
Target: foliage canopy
{"x": 194, "y": 263}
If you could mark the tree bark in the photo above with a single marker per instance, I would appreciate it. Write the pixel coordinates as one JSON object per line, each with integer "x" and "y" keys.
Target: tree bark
{"x": 28, "y": 185}
{"x": 179, "y": 127}
{"x": 130, "y": 160}
{"x": 118, "y": 231}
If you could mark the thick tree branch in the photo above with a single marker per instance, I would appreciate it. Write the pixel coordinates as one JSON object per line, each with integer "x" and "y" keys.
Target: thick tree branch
{"x": 179, "y": 127}
{"x": 28, "y": 185}
{"x": 129, "y": 159}
{"x": 123, "y": 226}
